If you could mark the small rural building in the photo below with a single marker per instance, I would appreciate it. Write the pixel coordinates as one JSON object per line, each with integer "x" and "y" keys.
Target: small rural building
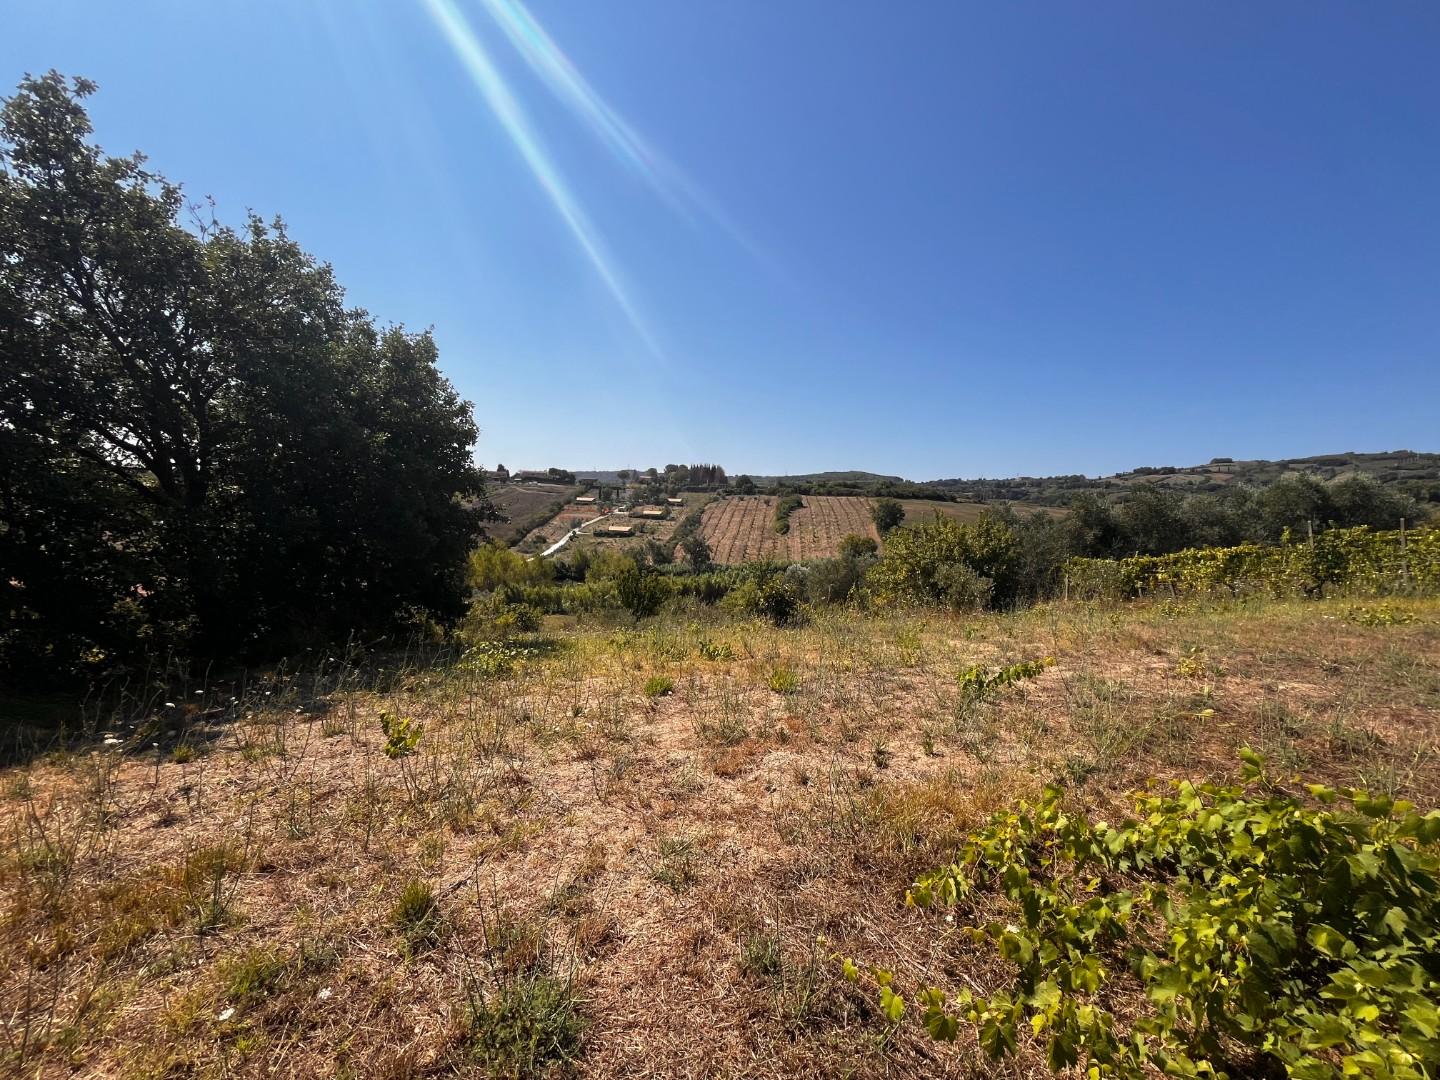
{"x": 651, "y": 512}
{"x": 531, "y": 476}
{"x": 674, "y": 501}
{"x": 617, "y": 530}
{"x": 585, "y": 500}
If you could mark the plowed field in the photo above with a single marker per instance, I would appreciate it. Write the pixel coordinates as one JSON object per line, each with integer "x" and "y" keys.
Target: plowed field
{"x": 742, "y": 528}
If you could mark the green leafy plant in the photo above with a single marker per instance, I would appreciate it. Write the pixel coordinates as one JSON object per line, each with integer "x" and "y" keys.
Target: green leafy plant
{"x": 402, "y": 735}
{"x": 977, "y": 682}
{"x": 659, "y": 686}
{"x": 1379, "y": 615}
{"x": 1357, "y": 559}
{"x": 491, "y": 659}
{"x": 1192, "y": 665}
{"x": 1259, "y": 931}
{"x": 716, "y": 650}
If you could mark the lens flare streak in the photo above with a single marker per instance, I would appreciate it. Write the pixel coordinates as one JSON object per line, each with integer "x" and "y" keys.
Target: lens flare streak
{"x": 512, "y": 117}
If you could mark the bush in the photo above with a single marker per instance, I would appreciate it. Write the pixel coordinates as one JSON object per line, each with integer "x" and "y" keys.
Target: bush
{"x": 783, "y": 509}
{"x": 493, "y": 566}
{"x": 834, "y": 581}
{"x": 942, "y": 561}
{"x": 778, "y": 601}
{"x": 640, "y": 592}
{"x": 697, "y": 551}
{"x": 659, "y": 686}
{"x": 1355, "y": 559}
{"x": 402, "y": 735}
{"x": 887, "y": 514}
{"x": 856, "y": 547}
{"x": 1268, "y": 933}
{"x": 764, "y": 592}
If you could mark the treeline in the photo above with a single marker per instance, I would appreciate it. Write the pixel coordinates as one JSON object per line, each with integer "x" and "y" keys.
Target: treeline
{"x": 1151, "y": 520}
{"x": 203, "y": 452}
{"x": 1414, "y": 475}
{"x": 885, "y": 489}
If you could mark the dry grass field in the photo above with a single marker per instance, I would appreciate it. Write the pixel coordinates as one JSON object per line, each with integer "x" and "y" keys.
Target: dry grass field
{"x": 564, "y": 874}
{"x": 741, "y": 528}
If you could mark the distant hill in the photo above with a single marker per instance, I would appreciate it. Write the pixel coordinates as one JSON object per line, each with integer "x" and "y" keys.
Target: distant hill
{"x": 852, "y": 476}
{"x": 1418, "y": 474}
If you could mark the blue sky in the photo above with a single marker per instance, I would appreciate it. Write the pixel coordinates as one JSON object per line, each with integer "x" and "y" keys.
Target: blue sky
{"x": 948, "y": 239}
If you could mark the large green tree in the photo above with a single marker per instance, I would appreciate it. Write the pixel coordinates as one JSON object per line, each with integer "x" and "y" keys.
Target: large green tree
{"x": 201, "y": 447}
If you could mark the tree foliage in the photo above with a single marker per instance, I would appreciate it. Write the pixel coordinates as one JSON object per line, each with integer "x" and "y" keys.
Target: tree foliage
{"x": 201, "y": 447}
{"x": 1151, "y": 520}
{"x": 942, "y": 561}
{"x": 887, "y": 514}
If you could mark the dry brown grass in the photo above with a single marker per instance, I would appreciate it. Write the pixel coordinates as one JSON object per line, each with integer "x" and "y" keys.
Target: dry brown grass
{"x": 690, "y": 864}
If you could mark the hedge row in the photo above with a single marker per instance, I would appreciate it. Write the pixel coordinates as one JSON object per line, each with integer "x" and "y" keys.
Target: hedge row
{"x": 1356, "y": 560}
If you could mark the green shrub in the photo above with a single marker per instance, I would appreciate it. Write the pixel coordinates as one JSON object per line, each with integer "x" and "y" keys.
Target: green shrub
{"x": 641, "y": 592}
{"x": 783, "y": 509}
{"x": 1355, "y": 559}
{"x": 778, "y": 601}
{"x": 494, "y": 566}
{"x": 402, "y": 735}
{"x": 834, "y": 581}
{"x": 526, "y": 1026}
{"x": 857, "y": 547}
{"x": 716, "y": 650}
{"x": 1268, "y": 932}
{"x": 491, "y": 659}
{"x": 978, "y": 683}
{"x": 944, "y": 562}
{"x": 887, "y": 514}
{"x": 659, "y": 686}
{"x": 1379, "y": 615}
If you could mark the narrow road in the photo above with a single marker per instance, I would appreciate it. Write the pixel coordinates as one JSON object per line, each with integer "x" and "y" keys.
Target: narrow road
{"x": 568, "y": 537}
